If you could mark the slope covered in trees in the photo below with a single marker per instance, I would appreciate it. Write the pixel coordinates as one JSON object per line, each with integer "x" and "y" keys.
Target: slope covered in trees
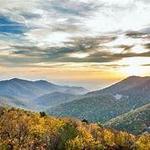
{"x": 25, "y": 130}
{"x": 101, "y": 106}
{"x": 135, "y": 121}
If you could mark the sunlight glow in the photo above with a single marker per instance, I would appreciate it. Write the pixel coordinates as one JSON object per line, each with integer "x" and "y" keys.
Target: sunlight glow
{"x": 135, "y": 66}
{"x": 79, "y": 55}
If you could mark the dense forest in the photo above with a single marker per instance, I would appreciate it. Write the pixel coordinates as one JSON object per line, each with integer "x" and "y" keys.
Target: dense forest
{"x": 23, "y": 130}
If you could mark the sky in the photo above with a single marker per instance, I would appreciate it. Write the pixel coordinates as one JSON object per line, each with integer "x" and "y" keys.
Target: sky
{"x": 76, "y": 42}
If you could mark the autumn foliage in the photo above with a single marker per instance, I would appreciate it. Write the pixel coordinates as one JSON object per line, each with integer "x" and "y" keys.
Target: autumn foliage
{"x": 23, "y": 130}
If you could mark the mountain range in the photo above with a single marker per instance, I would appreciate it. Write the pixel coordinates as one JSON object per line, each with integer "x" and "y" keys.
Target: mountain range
{"x": 106, "y": 104}
{"x": 114, "y": 106}
{"x": 24, "y": 93}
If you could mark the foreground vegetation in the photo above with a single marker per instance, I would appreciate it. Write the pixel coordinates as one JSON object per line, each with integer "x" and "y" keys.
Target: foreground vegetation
{"x": 23, "y": 130}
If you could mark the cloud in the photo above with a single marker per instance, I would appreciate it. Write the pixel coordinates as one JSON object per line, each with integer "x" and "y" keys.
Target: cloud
{"x": 72, "y": 7}
{"x": 147, "y": 46}
{"x": 39, "y": 31}
{"x": 146, "y": 65}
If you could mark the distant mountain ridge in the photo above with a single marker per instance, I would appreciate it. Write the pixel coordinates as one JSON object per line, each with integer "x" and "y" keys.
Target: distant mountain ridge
{"x": 54, "y": 99}
{"x": 124, "y": 85}
{"x": 27, "y": 91}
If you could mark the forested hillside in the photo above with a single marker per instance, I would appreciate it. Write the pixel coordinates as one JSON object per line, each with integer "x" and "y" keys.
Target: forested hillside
{"x": 36, "y": 131}
{"x": 136, "y": 121}
{"x": 103, "y": 105}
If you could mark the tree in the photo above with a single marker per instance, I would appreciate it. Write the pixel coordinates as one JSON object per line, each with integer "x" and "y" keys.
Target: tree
{"x": 42, "y": 114}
